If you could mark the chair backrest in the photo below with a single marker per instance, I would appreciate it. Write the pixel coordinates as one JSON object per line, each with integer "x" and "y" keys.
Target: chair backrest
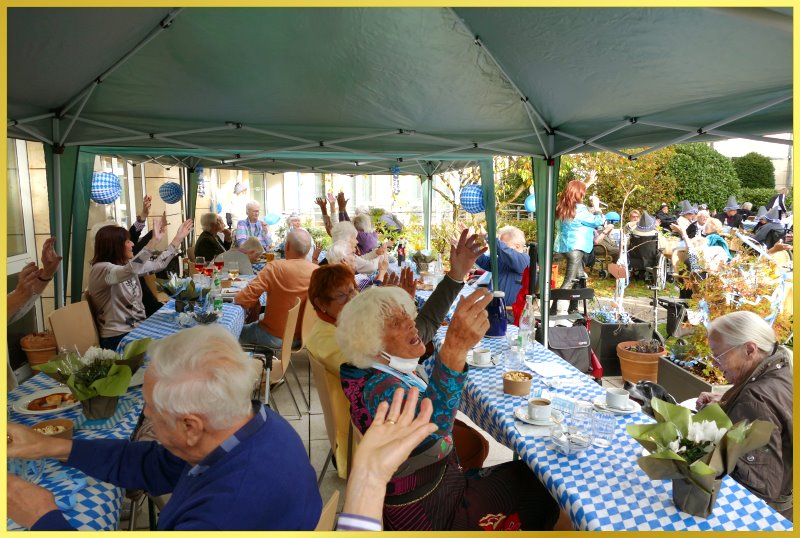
{"x": 233, "y": 255}
{"x": 325, "y": 393}
{"x": 643, "y": 251}
{"x": 310, "y": 319}
{"x": 327, "y": 519}
{"x": 285, "y": 355}
{"x": 190, "y": 253}
{"x": 73, "y": 326}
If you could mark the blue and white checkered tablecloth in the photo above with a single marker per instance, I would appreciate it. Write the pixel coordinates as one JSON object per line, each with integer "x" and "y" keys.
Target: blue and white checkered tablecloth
{"x": 162, "y": 323}
{"x": 258, "y": 266}
{"x": 97, "y": 505}
{"x": 600, "y": 489}
{"x": 422, "y": 296}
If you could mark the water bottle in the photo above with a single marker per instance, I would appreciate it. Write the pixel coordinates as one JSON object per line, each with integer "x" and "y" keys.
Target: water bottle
{"x": 526, "y": 321}
{"x": 217, "y": 292}
{"x": 498, "y": 321}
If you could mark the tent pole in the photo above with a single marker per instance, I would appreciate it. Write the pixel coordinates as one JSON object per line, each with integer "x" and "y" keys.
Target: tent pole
{"x": 546, "y": 271}
{"x": 487, "y": 186}
{"x": 12, "y": 123}
{"x": 59, "y": 295}
{"x": 37, "y": 136}
{"x": 427, "y": 202}
{"x": 89, "y": 93}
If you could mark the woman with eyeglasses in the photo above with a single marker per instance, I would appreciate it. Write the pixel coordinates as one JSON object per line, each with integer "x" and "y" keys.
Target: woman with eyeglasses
{"x": 744, "y": 347}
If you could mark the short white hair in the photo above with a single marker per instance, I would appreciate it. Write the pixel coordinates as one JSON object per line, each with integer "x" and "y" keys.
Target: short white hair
{"x": 252, "y": 204}
{"x": 517, "y": 237}
{"x": 343, "y": 231}
{"x": 703, "y": 213}
{"x": 207, "y": 221}
{"x": 338, "y": 251}
{"x": 362, "y": 210}
{"x": 300, "y": 240}
{"x": 202, "y": 371}
{"x": 253, "y": 243}
{"x": 360, "y": 326}
{"x": 363, "y": 223}
{"x": 738, "y": 328}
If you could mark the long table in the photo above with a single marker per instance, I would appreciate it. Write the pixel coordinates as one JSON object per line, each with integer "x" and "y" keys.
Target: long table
{"x": 97, "y": 505}
{"x": 600, "y": 489}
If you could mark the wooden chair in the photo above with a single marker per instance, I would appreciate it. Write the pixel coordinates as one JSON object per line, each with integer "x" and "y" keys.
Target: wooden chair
{"x": 327, "y": 519}
{"x": 336, "y": 410}
{"x": 74, "y": 328}
{"x": 283, "y": 358}
{"x": 233, "y": 255}
{"x": 308, "y": 321}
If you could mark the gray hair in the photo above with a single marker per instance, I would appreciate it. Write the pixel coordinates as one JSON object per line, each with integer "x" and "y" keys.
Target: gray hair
{"x": 253, "y": 243}
{"x": 202, "y": 371}
{"x": 338, "y": 251}
{"x": 300, "y": 240}
{"x": 343, "y": 231}
{"x": 207, "y": 221}
{"x": 252, "y": 204}
{"x": 747, "y": 206}
{"x": 363, "y": 223}
{"x": 517, "y": 237}
{"x": 703, "y": 213}
{"x": 369, "y": 310}
{"x": 738, "y": 328}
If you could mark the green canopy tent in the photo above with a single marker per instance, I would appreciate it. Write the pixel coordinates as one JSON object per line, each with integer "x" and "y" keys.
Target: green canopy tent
{"x": 358, "y": 90}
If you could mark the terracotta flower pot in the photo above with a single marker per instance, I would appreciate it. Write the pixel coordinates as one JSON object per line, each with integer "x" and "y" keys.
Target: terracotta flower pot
{"x": 638, "y": 366}
{"x": 39, "y": 347}
{"x": 99, "y": 407}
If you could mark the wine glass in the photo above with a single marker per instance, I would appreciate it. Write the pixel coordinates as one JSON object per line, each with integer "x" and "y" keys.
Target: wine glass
{"x": 233, "y": 268}
{"x": 199, "y": 264}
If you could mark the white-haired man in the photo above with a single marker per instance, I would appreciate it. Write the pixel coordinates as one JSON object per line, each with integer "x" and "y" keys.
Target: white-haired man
{"x": 229, "y": 462}
{"x": 512, "y": 259}
{"x": 252, "y": 227}
{"x": 283, "y": 281}
{"x": 293, "y": 223}
{"x": 208, "y": 244}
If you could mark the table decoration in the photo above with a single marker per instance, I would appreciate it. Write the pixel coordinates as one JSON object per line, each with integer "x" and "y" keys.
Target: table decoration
{"x": 186, "y": 293}
{"x": 695, "y": 452}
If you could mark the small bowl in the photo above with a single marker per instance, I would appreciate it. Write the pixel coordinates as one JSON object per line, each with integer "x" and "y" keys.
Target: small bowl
{"x": 521, "y": 387}
{"x": 226, "y": 282}
{"x": 65, "y": 422}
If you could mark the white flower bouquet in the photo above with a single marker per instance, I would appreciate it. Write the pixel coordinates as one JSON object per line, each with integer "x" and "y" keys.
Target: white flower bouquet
{"x": 695, "y": 452}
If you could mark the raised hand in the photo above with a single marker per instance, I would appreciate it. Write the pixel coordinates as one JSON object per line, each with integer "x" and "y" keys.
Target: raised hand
{"x": 182, "y": 232}
{"x": 464, "y": 253}
{"x": 146, "y": 204}
{"x": 469, "y": 324}
{"x": 341, "y": 200}
{"x": 407, "y": 281}
{"x": 320, "y": 201}
{"x": 331, "y": 199}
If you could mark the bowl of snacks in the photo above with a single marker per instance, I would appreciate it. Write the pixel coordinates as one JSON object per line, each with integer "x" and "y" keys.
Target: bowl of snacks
{"x": 57, "y": 427}
{"x": 517, "y": 383}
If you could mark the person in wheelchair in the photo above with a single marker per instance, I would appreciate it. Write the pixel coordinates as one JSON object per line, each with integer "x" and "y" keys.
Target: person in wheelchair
{"x": 771, "y": 230}
{"x": 645, "y": 243}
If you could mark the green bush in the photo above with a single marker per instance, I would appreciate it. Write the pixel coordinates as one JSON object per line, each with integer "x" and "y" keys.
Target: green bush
{"x": 320, "y": 236}
{"x": 528, "y": 227}
{"x": 757, "y": 197}
{"x": 704, "y": 175}
{"x": 755, "y": 171}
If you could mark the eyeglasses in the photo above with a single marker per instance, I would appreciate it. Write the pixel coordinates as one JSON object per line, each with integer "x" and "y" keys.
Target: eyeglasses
{"x": 342, "y": 298}
{"x": 715, "y": 358}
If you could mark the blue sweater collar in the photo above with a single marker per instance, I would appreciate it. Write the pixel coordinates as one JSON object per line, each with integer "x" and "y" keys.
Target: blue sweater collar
{"x": 248, "y": 430}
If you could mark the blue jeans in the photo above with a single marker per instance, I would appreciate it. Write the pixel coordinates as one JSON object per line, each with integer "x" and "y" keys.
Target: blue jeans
{"x": 112, "y": 342}
{"x": 252, "y": 333}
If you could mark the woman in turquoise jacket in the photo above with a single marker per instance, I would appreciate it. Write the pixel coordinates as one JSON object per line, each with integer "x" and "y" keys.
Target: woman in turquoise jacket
{"x": 575, "y": 230}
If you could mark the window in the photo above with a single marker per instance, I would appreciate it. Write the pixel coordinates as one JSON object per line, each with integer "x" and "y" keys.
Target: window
{"x": 19, "y": 220}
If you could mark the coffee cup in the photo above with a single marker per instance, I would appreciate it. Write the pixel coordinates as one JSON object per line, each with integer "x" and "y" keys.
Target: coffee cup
{"x": 482, "y": 355}
{"x": 539, "y": 409}
{"x": 617, "y": 398}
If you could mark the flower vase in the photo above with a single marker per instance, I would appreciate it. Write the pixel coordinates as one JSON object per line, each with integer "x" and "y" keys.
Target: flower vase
{"x": 99, "y": 407}
{"x": 690, "y": 498}
{"x": 184, "y": 306}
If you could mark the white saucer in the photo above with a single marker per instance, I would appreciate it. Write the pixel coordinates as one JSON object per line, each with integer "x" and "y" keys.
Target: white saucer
{"x": 600, "y": 403}
{"x": 137, "y": 379}
{"x": 521, "y": 413}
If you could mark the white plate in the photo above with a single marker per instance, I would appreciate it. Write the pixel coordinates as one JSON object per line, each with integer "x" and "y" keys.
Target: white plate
{"x": 21, "y": 405}
{"x": 521, "y": 413}
{"x": 600, "y": 403}
{"x": 494, "y": 361}
{"x": 137, "y": 379}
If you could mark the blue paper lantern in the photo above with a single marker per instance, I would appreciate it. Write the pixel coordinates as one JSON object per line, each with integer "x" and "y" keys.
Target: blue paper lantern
{"x": 272, "y": 218}
{"x": 106, "y": 187}
{"x": 530, "y": 203}
{"x": 170, "y": 192}
{"x": 472, "y": 199}
{"x": 612, "y": 216}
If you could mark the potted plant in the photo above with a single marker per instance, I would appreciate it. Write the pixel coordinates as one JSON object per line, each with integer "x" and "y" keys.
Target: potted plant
{"x": 423, "y": 259}
{"x": 695, "y": 452}
{"x": 609, "y": 328}
{"x": 638, "y": 360}
{"x": 38, "y": 347}
{"x": 95, "y": 379}
{"x": 184, "y": 291}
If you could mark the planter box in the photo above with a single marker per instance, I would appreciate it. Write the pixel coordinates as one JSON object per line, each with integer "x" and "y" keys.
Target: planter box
{"x": 604, "y": 338}
{"x": 683, "y": 384}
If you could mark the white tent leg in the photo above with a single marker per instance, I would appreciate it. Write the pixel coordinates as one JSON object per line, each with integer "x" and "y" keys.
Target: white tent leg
{"x": 60, "y": 296}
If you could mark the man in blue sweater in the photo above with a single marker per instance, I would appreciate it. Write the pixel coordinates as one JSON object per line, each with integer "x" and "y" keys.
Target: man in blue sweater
{"x": 512, "y": 259}
{"x": 229, "y": 462}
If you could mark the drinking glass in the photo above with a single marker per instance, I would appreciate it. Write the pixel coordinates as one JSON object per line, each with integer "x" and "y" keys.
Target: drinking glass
{"x": 580, "y": 421}
{"x": 199, "y": 264}
{"x": 233, "y": 268}
{"x": 218, "y": 264}
{"x": 604, "y": 425}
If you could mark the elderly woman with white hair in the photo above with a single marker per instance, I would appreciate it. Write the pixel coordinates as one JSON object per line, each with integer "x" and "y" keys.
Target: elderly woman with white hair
{"x": 208, "y": 244}
{"x": 376, "y": 332}
{"x": 229, "y": 462}
{"x": 252, "y": 227}
{"x": 744, "y": 347}
{"x": 342, "y": 252}
{"x": 345, "y": 232}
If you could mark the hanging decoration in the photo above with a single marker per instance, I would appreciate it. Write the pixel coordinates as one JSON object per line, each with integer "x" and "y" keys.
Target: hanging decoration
{"x": 530, "y": 203}
{"x": 106, "y": 188}
{"x": 395, "y": 170}
{"x": 170, "y": 192}
{"x": 472, "y": 199}
{"x": 201, "y": 182}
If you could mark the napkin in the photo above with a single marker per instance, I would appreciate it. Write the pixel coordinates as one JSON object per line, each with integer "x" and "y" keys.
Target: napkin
{"x": 549, "y": 369}
{"x": 529, "y": 430}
